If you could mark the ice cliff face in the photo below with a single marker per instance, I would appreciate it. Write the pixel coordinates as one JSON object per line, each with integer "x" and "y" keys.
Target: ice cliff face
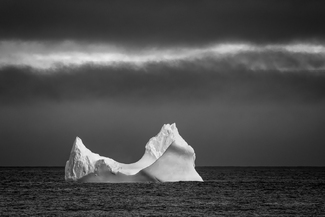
{"x": 167, "y": 157}
{"x": 157, "y": 145}
{"x": 82, "y": 162}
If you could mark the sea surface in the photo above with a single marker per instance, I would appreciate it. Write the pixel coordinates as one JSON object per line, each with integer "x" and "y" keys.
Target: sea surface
{"x": 227, "y": 191}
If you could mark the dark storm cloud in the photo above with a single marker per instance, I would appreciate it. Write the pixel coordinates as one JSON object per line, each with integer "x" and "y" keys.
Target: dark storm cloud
{"x": 158, "y": 83}
{"x": 243, "y": 80}
{"x": 163, "y": 22}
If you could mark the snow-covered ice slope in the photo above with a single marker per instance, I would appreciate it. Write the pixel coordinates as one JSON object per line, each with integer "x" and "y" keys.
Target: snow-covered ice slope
{"x": 167, "y": 157}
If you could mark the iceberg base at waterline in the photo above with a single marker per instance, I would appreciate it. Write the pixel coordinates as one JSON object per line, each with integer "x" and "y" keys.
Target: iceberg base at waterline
{"x": 167, "y": 158}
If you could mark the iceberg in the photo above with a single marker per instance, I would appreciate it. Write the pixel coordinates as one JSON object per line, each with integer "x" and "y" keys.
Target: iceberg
{"x": 167, "y": 158}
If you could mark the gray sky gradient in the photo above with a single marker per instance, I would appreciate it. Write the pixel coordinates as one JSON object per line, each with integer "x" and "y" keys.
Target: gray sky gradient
{"x": 243, "y": 80}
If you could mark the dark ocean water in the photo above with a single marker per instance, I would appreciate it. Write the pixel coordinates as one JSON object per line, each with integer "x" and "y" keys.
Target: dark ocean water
{"x": 227, "y": 191}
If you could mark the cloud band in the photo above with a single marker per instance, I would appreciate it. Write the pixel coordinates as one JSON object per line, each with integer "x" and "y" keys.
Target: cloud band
{"x": 44, "y": 56}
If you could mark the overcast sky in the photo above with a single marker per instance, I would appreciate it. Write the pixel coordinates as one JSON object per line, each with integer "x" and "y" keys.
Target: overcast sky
{"x": 243, "y": 80}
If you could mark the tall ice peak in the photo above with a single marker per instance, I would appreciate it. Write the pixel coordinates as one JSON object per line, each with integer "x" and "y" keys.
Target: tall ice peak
{"x": 157, "y": 145}
{"x": 78, "y": 144}
{"x": 168, "y": 128}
